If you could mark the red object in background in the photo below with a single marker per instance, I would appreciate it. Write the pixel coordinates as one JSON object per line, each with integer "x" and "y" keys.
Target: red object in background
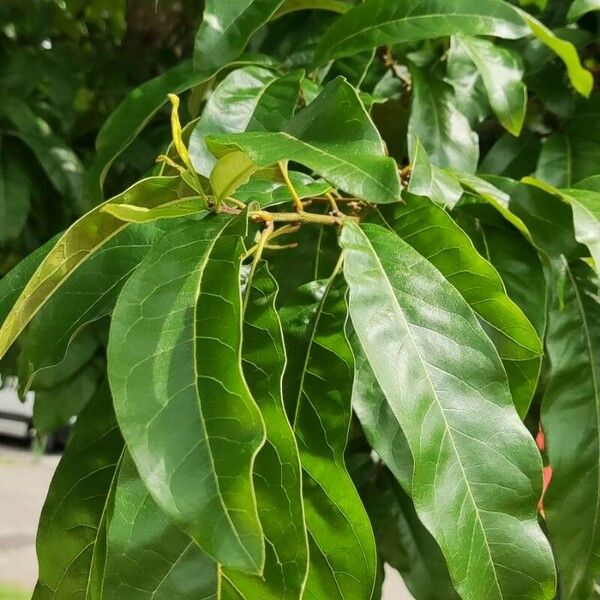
{"x": 540, "y": 440}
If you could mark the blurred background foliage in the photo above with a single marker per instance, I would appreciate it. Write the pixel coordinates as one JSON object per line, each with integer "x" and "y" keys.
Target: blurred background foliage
{"x": 64, "y": 67}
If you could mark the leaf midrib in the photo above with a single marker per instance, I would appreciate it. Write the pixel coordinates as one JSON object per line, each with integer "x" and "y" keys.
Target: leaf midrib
{"x": 447, "y": 427}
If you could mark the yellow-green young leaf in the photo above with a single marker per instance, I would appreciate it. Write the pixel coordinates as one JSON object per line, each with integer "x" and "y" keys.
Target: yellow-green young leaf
{"x": 334, "y": 136}
{"x": 434, "y": 234}
{"x": 140, "y": 214}
{"x": 277, "y": 471}
{"x": 76, "y": 245}
{"x": 147, "y": 556}
{"x": 476, "y": 467}
{"x": 380, "y": 22}
{"x": 72, "y": 532}
{"x": 581, "y": 79}
{"x": 570, "y": 418}
{"x": 231, "y": 171}
{"x": 342, "y": 550}
{"x": 174, "y": 358}
{"x": 581, "y": 7}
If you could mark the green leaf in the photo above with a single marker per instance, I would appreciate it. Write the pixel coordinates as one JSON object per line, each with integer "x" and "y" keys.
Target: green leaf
{"x": 175, "y": 366}
{"x": 443, "y": 361}
{"x": 289, "y": 6}
{"x": 277, "y": 471}
{"x": 581, "y": 79}
{"x": 56, "y": 405}
{"x": 342, "y": 549}
{"x": 432, "y": 232}
{"x": 570, "y": 414}
{"x": 248, "y": 99}
{"x": 512, "y": 157}
{"x": 403, "y": 541}
{"x": 501, "y": 72}
{"x": 133, "y": 114}
{"x": 581, "y": 7}
{"x": 379, "y": 423}
{"x": 427, "y": 179}
{"x": 147, "y": 556}
{"x": 497, "y": 198}
{"x": 448, "y": 137}
{"x": 87, "y": 295}
{"x": 58, "y": 161}
{"x": 586, "y": 219}
{"x": 14, "y": 193}
{"x": 71, "y": 536}
{"x": 380, "y": 22}
{"x": 335, "y": 137}
{"x": 81, "y": 241}
{"x": 272, "y": 193}
{"x": 226, "y": 29}
{"x": 547, "y": 218}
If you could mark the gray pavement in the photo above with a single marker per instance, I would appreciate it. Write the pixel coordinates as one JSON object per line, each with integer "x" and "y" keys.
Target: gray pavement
{"x": 24, "y": 480}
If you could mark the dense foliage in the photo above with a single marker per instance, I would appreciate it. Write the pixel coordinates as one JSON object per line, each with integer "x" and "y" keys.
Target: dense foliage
{"x": 358, "y": 284}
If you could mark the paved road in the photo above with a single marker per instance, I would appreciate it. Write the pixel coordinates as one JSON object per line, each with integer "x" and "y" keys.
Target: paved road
{"x": 24, "y": 480}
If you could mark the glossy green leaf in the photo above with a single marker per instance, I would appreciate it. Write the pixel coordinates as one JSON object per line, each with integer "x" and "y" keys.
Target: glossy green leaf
{"x": 248, "y": 99}
{"x": 335, "y": 137}
{"x": 277, "y": 471}
{"x": 581, "y": 7}
{"x": 427, "y": 179}
{"x": 81, "y": 241}
{"x": 570, "y": 416}
{"x": 520, "y": 267}
{"x": 175, "y": 365}
{"x": 403, "y": 541}
{"x": 379, "y": 423}
{"x": 586, "y": 219}
{"x": 226, "y": 29}
{"x": 497, "y": 198}
{"x": 271, "y": 193}
{"x": 380, "y": 22}
{"x": 555, "y": 236}
{"x": 58, "y": 161}
{"x": 581, "y": 79}
{"x": 432, "y": 232}
{"x": 501, "y": 73}
{"x": 467, "y": 469}
{"x": 342, "y": 550}
{"x": 288, "y": 6}
{"x": 72, "y": 533}
{"x": 14, "y": 193}
{"x": 560, "y": 160}
{"x": 147, "y": 556}
{"x": 448, "y": 138}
